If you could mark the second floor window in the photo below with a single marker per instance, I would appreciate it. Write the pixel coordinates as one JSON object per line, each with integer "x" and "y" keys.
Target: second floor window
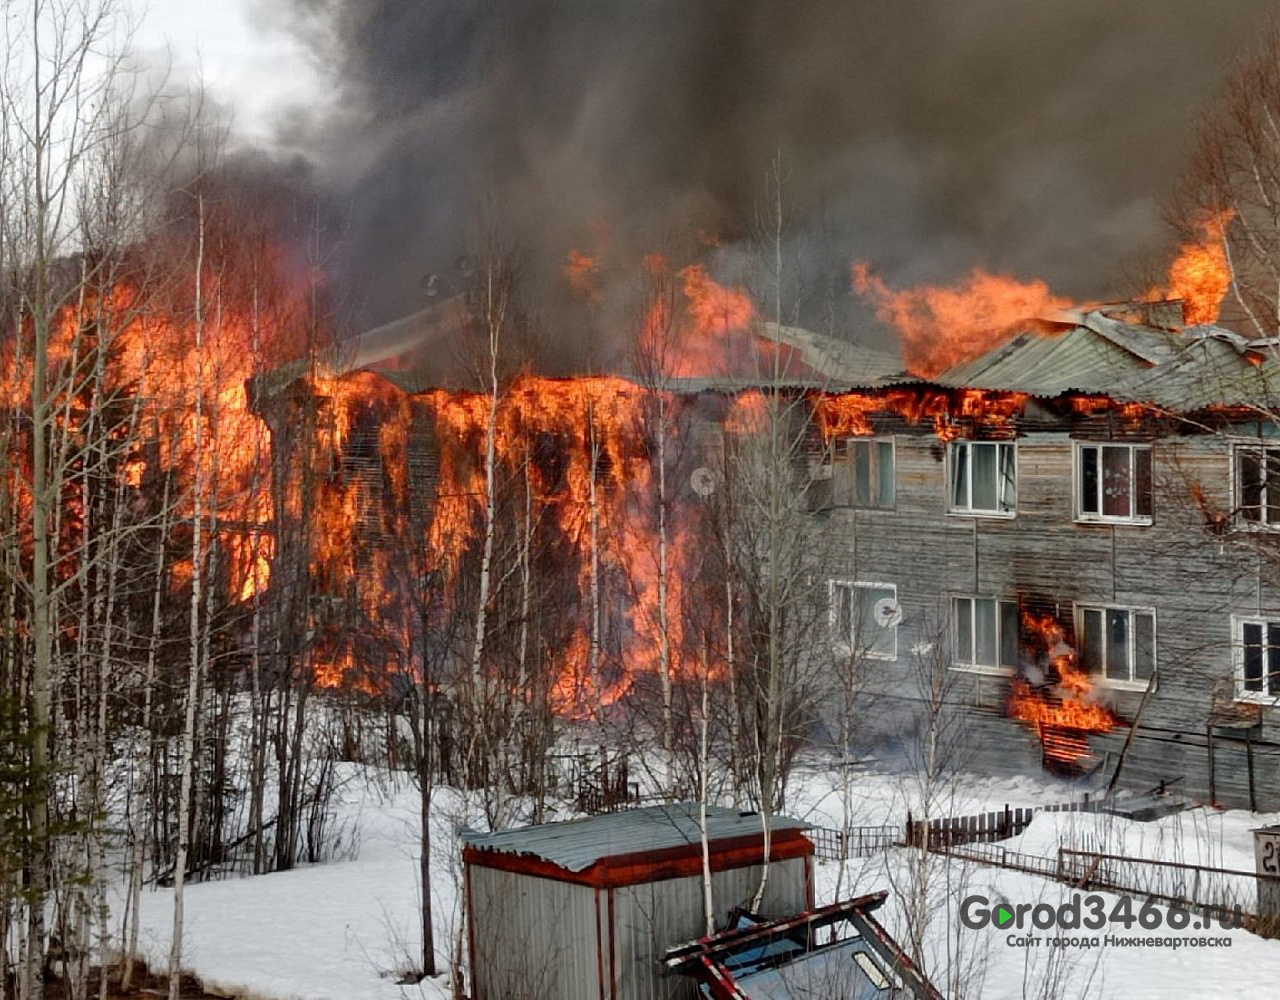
{"x": 1257, "y": 479}
{"x": 1118, "y": 644}
{"x": 983, "y": 477}
{"x": 862, "y": 473}
{"x": 1113, "y": 482}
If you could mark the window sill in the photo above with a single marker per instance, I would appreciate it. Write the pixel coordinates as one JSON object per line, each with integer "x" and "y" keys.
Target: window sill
{"x": 1258, "y": 698}
{"x": 982, "y": 670}
{"x": 1258, "y": 527}
{"x": 844, "y": 650}
{"x": 985, "y": 515}
{"x": 1101, "y": 519}
{"x": 1115, "y": 684}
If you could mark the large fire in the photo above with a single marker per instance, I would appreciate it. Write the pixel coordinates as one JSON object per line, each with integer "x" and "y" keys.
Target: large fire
{"x": 1062, "y": 704}
{"x": 576, "y": 475}
{"x": 944, "y": 326}
{"x": 1200, "y": 276}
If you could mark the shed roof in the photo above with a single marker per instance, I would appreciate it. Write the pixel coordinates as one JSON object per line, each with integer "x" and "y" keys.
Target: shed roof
{"x": 576, "y": 845}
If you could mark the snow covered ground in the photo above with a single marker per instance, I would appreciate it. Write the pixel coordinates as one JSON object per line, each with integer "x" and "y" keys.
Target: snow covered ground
{"x": 346, "y": 930}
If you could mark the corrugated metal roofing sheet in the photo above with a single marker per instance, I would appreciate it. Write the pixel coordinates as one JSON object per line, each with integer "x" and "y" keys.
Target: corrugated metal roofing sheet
{"x": 839, "y": 360}
{"x": 576, "y": 845}
{"x": 1079, "y": 360}
{"x": 1207, "y": 371}
{"x": 1184, "y": 372}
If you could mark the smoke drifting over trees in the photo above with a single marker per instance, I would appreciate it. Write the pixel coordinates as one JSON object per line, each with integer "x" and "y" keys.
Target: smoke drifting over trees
{"x": 927, "y": 136}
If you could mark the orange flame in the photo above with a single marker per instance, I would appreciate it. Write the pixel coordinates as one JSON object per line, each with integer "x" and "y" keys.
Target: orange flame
{"x": 1201, "y": 273}
{"x": 582, "y": 271}
{"x": 942, "y": 327}
{"x": 710, "y": 337}
{"x": 1067, "y": 702}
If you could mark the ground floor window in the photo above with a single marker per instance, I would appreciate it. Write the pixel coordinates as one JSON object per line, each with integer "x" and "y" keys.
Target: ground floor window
{"x": 1257, "y": 656}
{"x": 1117, "y": 644}
{"x": 864, "y": 619}
{"x": 984, "y": 634}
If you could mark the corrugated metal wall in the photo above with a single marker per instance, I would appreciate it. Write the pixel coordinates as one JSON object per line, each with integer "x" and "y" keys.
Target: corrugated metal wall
{"x": 650, "y": 918}
{"x": 535, "y": 938}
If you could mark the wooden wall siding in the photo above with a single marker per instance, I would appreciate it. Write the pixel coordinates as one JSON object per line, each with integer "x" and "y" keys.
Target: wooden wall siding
{"x": 1192, "y": 580}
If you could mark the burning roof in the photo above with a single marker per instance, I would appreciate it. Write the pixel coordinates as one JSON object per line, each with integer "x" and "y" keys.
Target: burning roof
{"x": 1193, "y": 369}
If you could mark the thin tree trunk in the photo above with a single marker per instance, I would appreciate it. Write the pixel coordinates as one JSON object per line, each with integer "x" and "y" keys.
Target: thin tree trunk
{"x": 191, "y": 718}
{"x": 704, "y": 764}
{"x": 143, "y": 797}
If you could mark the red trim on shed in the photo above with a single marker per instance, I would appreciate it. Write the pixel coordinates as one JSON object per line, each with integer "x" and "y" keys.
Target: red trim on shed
{"x": 640, "y": 867}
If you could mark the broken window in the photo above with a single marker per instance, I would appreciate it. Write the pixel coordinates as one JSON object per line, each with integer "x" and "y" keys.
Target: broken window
{"x": 1257, "y": 658}
{"x": 1113, "y": 482}
{"x": 862, "y": 473}
{"x": 1257, "y": 478}
{"x": 983, "y": 477}
{"x": 864, "y": 619}
{"x": 984, "y": 633}
{"x": 1118, "y": 644}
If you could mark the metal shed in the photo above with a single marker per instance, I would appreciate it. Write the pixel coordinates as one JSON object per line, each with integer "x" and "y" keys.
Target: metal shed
{"x": 585, "y": 909}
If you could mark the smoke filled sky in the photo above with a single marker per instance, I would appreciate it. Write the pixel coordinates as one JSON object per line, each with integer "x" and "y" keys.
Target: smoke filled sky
{"x": 928, "y": 137}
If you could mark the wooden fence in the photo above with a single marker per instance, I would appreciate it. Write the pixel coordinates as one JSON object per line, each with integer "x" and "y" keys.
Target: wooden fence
{"x": 832, "y": 844}
{"x": 984, "y": 828}
{"x": 980, "y": 828}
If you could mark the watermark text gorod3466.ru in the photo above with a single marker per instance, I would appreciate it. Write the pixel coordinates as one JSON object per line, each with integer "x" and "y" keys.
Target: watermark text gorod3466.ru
{"x": 1080, "y": 914}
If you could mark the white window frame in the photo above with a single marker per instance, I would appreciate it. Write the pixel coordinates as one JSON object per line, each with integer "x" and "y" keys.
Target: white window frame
{"x": 970, "y": 666}
{"x": 1238, "y": 622}
{"x": 1101, "y": 678}
{"x": 1077, "y": 475}
{"x": 844, "y": 644}
{"x": 968, "y": 510}
{"x": 1237, "y": 487}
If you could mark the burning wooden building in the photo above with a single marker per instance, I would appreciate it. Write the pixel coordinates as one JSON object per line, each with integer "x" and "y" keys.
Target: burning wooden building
{"x": 1078, "y": 525}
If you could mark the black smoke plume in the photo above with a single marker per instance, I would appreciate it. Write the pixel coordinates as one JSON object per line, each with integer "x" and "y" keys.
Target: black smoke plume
{"x": 928, "y": 136}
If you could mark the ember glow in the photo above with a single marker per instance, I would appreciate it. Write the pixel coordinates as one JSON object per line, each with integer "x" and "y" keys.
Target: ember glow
{"x": 1063, "y": 706}
{"x": 944, "y": 326}
{"x": 582, "y": 271}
